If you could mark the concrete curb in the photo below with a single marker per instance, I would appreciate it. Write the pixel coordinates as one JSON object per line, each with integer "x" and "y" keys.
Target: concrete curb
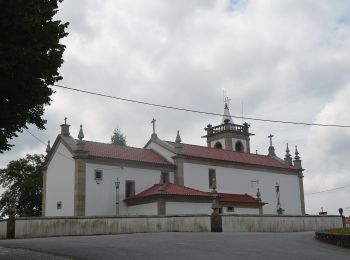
{"x": 335, "y": 239}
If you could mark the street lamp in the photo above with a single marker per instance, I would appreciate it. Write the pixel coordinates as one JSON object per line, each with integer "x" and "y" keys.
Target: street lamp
{"x": 117, "y": 183}
{"x": 279, "y": 208}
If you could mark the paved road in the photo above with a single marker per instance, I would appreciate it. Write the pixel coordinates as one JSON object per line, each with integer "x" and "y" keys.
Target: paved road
{"x": 185, "y": 246}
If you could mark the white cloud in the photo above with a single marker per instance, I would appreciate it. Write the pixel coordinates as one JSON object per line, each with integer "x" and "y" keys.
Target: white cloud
{"x": 285, "y": 60}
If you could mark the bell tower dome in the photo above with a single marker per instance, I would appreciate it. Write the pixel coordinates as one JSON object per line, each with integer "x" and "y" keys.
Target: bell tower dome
{"x": 227, "y": 135}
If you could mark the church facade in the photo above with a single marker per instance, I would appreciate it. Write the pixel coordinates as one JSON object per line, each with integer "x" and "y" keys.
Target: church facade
{"x": 85, "y": 178}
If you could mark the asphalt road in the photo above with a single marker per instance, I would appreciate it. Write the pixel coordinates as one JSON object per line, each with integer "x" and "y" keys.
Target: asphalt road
{"x": 179, "y": 246}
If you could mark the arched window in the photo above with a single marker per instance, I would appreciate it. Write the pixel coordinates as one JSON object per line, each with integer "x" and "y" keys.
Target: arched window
{"x": 218, "y": 145}
{"x": 239, "y": 146}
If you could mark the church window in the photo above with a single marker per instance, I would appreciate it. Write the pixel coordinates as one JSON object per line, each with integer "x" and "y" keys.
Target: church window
{"x": 98, "y": 176}
{"x": 212, "y": 178}
{"x": 239, "y": 146}
{"x": 59, "y": 204}
{"x": 165, "y": 177}
{"x": 218, "y": 145}
{"x": 230, "y": 209}
{"x": 129, "y": 189}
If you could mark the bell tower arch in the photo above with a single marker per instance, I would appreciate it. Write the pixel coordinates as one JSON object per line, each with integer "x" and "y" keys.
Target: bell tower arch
{"x": 228, "y": 135}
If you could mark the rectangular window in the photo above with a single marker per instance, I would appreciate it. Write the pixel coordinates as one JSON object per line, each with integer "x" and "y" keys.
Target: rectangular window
{"x": 212, "y": 178}
{"x": 165, "y": 177}
{"x": 59, "y": 204}
{"x": 129, "y": 189}
{"x": 230, "y": 209}
{"x": 98, "y": 176}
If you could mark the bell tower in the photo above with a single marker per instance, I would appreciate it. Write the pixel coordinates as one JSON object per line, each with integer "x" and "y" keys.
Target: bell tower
{"x": 227, "y": 135}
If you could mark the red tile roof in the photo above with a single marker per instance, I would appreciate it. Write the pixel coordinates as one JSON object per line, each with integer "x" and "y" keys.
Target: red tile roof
{"x": 232, "y": 156}
{"x": 113, "y": 151}
{"x": 178, "y": 190}
{"x": 228, "y": 197}
{"x": 171, "y": 189}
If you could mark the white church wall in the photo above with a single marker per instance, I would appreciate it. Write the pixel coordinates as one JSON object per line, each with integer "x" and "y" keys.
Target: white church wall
{"x": 101, "y": 198}
{"x": 254, "y": 211}
{"x": 160, "y": 150}
{"x": 143, "y": 209}
{"x": 241, "y": 181}
{"x": 173, "y": 208}
{"x": 60, "y": 183}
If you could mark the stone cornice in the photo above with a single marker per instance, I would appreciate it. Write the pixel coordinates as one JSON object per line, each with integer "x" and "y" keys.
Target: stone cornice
{"x": 129, "y": 163}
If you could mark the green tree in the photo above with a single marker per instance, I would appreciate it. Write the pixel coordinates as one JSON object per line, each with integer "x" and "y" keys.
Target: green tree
{"x": 118, "y": 137}
{"x": 30, "y": 55}
{"x": 23, "y": 181}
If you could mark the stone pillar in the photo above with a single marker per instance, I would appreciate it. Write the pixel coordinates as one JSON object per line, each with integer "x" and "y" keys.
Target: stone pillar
{"x": 43, "y": 198}
{"x": 179, "y": 171}
{"x": 161, "y": 207}
{"x": 79, "y": 187}
{"x": 216, "y": 218}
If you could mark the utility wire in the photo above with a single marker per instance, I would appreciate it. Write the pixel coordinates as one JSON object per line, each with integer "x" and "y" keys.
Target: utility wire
{"x": 322, "y": 191}
{"x": 197, "y": 111}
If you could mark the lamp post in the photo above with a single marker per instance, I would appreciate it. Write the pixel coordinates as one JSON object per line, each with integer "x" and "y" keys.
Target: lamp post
{"x": 117, "y": 183}
{"x": 279, "y": 208}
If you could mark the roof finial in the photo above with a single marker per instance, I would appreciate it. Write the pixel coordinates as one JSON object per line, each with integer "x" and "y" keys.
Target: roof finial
{"x": 271, "y": 148}
{"x": 48, "y": 147}
{"x": 65, "y": 128}
{"x": 226, "y": 115}
{"x": 258, "y": 195}
{"x": 297, "y": 157}
{"x": 178, "y": 138}
{"x": 81, "y": 133}
{"x": 270, "y": 136}
{"x": 288, "y": 157}
{"x": 153, "y": 122}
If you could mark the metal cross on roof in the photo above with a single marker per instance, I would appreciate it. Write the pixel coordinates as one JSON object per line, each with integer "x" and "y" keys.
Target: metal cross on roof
{"x": 270, "y": 136}
{"x": 154, "y": 125}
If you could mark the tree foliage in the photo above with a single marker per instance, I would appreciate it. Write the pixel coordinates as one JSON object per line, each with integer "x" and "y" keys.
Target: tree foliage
{"x": 30, "y": 55}
{"x": 118, "y": 137}
{"x": 23, "y": 181}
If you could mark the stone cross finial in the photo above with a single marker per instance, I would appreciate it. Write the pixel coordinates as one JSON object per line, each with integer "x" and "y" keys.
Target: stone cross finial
{"x": 154, "y": 125}
{"x": 270, "y": 136}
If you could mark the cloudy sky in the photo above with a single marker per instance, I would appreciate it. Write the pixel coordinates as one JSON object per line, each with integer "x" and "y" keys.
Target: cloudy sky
{"x": 285, "y": 60}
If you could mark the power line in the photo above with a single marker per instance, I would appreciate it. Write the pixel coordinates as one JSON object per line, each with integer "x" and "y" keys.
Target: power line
{"x": 198, "y": 111}
{"x": 322, "y": 191}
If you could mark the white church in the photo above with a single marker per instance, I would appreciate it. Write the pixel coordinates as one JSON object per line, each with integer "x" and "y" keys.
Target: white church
{"x": 88, "y": 178}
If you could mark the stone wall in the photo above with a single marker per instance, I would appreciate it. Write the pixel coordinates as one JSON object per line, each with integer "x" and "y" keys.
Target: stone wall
{"x": 73, "y": 226}
{"x": 3, "y": 229}
{"x": 274, "y": 223}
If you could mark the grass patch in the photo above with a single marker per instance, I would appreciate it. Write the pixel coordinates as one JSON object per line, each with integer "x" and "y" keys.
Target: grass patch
{"x": 342, "y": 231}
